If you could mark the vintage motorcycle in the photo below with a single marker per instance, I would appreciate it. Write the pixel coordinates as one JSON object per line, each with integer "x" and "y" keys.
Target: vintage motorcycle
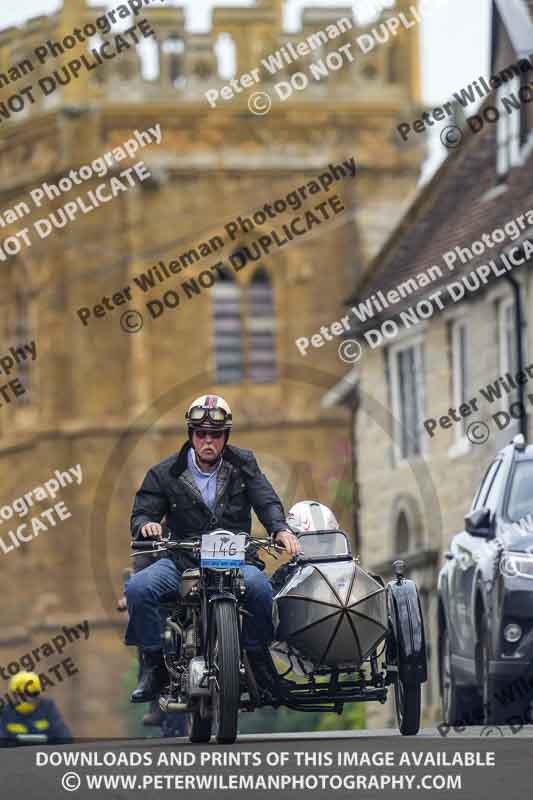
{"x": 331, "y": 617}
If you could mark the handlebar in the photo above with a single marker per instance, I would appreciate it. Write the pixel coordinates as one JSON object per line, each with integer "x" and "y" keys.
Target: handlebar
{"x": 162, "y": 545}
{"x": 167, "y": 544}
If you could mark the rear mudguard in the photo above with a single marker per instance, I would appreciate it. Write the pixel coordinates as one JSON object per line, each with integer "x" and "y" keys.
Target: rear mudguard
{"x": 409, "y": 643}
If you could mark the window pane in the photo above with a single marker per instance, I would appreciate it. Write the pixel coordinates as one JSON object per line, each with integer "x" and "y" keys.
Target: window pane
{"x": 495, "y": 490}
{"x": 487, "y": 483}
{"x": 460, "y": 370}
{"x": 503, "y": 138}
{"x": 521, "y": 496}
{"x": 227, "y": 331}
{"x": 402, "y": 533}
{"x": 410, "y": 403}
{"x": 508, "y": 355}
{"x": 261, "y": 325}
{"x": 510, "y": 339}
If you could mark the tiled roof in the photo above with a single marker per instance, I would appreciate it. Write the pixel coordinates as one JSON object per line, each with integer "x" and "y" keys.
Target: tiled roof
{"x": 449, "y": 211}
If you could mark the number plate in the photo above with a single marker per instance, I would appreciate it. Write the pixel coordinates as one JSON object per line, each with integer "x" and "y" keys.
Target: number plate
{"x": 222, "y": 550}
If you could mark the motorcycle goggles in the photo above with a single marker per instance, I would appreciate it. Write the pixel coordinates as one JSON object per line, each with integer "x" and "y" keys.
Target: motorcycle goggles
{"x": 218, "y": 417}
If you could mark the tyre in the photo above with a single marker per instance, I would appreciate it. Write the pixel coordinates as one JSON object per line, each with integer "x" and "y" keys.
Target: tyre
{"x": 460, "y": 705}
{"x": 225, "y": 652}
{"x": 199, "y": 727}
{"x": 408, "y": 703}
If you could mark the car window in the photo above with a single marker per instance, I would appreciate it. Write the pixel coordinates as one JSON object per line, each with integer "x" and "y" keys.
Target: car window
{"x": 520, "y": 503}
{"x": 495, "y": 488}
{"x": 484, "y": 486}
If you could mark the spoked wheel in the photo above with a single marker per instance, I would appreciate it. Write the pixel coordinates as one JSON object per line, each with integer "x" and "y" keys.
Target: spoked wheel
{"x": 225, "y": 688}
{"x": 408, "y": 697}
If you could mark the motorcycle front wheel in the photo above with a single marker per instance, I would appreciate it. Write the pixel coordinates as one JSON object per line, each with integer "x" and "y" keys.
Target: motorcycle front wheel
{"x": 199, "y": 727}
{"x": 225, "y": 652}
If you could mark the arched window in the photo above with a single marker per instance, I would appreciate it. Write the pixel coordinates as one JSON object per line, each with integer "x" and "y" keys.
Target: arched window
{"x": 260, "y": 325}
{"x": 227, "y": 330}
{"x": 402, "y": 533}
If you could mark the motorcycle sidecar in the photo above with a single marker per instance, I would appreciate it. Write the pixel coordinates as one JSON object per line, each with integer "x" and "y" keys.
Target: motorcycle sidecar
{"x": 331, "y": 616}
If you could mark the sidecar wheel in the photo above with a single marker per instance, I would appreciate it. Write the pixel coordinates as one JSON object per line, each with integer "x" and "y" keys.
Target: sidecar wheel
{"x": 408, "y": 702}
{"x": 226, "y": 660}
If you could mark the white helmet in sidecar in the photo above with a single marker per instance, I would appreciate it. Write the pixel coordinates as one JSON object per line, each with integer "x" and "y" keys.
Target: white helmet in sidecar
{"x": 309, "y": 516}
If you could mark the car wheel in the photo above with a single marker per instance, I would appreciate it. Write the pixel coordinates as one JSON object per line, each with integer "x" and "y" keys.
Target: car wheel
{"x": 459, "y": 704}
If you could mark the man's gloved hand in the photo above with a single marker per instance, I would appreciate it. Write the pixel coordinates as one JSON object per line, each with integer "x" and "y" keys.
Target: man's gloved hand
{"x": 289, "y": 541}
{"x": 153, "y": 530}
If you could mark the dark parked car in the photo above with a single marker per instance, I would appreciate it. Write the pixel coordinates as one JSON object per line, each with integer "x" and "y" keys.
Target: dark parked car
{"x": 485, "y": 594}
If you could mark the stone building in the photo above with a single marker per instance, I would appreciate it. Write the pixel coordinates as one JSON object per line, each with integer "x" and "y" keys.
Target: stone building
{"x": 111, "y": 400}
{"x": 465, "y": 244}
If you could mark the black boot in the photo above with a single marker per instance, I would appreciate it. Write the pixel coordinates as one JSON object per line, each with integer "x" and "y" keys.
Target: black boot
{"x": 153, "y": 677}
{"x": 265, "y": 674}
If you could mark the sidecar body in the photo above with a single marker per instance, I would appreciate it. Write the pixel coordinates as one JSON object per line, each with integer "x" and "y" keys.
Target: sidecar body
{"x": 331, "y": 613}
{"x": 333, "y": 617}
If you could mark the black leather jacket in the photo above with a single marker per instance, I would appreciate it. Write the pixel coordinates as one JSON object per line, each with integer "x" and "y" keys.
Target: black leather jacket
{"x": 168, "y": 490}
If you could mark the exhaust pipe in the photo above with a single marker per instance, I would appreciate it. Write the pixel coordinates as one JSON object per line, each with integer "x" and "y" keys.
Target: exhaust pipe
{"x": 167, "y": 705}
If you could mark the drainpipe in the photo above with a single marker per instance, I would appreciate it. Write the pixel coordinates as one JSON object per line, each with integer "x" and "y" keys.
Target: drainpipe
{"x": 519, "y": 326}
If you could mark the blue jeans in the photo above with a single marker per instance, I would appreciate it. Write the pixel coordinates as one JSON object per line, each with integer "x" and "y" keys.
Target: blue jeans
{"x": 145, "y": 588}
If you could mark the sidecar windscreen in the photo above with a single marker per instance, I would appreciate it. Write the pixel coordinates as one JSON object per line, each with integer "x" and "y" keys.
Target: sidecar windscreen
{"x": 324, "y": 544}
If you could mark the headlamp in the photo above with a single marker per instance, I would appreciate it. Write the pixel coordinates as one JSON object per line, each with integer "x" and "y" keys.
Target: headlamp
{"x": 517, "y": 565}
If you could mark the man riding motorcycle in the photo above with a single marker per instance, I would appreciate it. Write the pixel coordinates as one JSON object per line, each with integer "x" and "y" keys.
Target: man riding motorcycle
{"x": 208, "y": 484}
{"x": 32, "y": 715}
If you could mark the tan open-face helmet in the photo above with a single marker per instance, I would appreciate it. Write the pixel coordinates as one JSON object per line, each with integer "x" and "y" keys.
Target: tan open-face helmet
{"x": 309, "y": 516}
{"x": 210, "y": 411}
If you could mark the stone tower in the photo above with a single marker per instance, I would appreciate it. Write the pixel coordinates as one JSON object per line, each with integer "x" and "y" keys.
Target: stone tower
{"x": 111, "y": 400}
